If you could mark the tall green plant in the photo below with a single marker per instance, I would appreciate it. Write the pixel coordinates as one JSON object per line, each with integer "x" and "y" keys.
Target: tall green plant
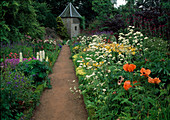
{"x": 61, "y": 29}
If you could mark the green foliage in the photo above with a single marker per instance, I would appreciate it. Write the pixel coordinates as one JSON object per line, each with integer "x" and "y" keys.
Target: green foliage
{"x": 16, "y": 94}
{"x": 53, "y": 55}
{"x": 61, "y": 29}
{"x": 44, "y": 15}
{"x": 103, "y": 8}
{"x": 94, "y": 25}
{"x": 157, "y": 44}
{"x": 157, "y": 62}
{"x": 18, "y": 19}
{"x": 35, "y": 69}
{"x": 26, "y": 50}
{"x": 82, "y": 23}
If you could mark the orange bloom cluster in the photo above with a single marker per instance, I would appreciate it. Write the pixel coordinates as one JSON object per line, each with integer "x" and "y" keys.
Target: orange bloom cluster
{"x": 129, "y": 67}
{"x": 145, "y": 72}
{"x": 127, "y": 85}
{"x": 155, "y": 80}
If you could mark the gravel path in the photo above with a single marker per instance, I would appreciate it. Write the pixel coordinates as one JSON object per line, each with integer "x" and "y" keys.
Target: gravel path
{"x": 59, "y": 103}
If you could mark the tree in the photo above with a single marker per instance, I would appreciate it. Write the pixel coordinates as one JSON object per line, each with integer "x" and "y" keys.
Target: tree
{"x": 19, "y": 19}
{"x": 103, "y": 8}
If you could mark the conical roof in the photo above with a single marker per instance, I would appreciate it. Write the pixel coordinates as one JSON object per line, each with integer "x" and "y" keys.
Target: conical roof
{"x": 70, "y": 11}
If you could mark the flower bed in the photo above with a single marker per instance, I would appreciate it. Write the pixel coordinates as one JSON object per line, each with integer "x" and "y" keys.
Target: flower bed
{"x": 116, "y": 79}
{"x": 23, "y": 83}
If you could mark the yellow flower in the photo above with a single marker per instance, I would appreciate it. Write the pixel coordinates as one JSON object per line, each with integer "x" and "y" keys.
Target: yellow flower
{"x": 80, "y": 71}
{"x": 133, "y": 49}
{"x": 87, "y": 63}
{"x": 133, "y": 53}
{"x": 75, "y": 56}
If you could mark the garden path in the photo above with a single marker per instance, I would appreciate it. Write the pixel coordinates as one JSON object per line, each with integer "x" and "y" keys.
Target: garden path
{"x": 59, "y": 103}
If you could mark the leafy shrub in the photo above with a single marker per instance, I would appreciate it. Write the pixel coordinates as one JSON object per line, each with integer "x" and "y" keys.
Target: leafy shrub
{"x": 156, "y": 44}
{"x": 19, "y": 19}
{"x": 16, "y": 93}
{"x": 61, "y": 29}
{"x": 113, "y": 24}
{"x": 35, "y": 69}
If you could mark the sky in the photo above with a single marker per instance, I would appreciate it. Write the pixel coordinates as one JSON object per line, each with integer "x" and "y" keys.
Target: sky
{"x": 120, "y": 2}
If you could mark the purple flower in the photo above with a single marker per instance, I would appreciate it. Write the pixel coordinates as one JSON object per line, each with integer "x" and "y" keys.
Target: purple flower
{"x": 13, "y": 62}
{"x": 33, "y": 75}
{"x": 59, "y": 45}
{"x": 8, "y": 82}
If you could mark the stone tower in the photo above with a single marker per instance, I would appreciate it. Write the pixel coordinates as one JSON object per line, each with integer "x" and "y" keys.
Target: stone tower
{"x": 70, "y": 18}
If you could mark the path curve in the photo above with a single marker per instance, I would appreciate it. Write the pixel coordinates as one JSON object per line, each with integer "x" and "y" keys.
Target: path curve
{"x": 59, "y": 103}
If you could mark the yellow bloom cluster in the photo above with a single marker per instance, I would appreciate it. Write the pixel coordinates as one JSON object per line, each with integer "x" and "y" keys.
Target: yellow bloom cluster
{"x": 76, "y": 47}
{"x": 115, "y": 47}
{"x": 80, "y": 71}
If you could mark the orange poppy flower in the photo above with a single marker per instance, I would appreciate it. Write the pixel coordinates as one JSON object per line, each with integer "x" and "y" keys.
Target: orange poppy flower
{"x": 155, "y": 80}
{"x": 150, "y": 80}
{"x": 145, "y": 72}
{"x": 127, "y": 85}
{"x": 129, "y": 67}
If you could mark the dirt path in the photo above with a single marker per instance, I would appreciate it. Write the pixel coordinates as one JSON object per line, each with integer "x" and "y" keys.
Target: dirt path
{"x": 59, "y": 103}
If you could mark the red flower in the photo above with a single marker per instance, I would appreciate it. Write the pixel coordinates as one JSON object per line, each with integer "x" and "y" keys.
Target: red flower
{"x": 129, "y": 67}
{"x": 127, "y": 85}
